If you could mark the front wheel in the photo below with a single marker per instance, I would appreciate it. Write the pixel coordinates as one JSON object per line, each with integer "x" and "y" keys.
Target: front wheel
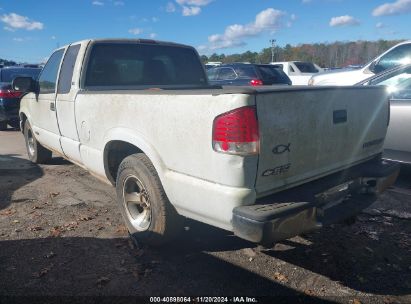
{"x": 36, "y": 152}
{"x": 149, "y": 215}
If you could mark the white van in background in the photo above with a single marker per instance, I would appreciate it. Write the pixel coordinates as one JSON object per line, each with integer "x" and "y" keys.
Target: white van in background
{"x": 397, "y": 55}
{"x": 298, "y": 71}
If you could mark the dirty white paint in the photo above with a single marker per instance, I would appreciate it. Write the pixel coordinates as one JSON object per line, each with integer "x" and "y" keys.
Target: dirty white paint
{"x": 174, "y": 129}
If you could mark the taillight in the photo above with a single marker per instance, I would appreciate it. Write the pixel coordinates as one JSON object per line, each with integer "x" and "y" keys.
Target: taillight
{"x": 9, "y": 94}
{"x": 256, "y": 82}
{"x": 236, "y": 132}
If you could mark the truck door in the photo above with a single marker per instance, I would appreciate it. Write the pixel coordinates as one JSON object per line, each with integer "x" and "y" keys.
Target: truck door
{"x": 43, "y": 109}
{"x": 65, "y": 102}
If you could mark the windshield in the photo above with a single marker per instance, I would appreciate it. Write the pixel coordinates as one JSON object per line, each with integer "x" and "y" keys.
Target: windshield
{"x": 8, "y": 75}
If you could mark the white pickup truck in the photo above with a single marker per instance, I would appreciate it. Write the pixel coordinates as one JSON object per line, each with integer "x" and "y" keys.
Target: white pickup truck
{"x": 266, "y": 164}
{"x": 298, "y": 71}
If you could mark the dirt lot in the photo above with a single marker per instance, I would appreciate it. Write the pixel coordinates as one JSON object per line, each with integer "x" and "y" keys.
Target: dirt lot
{"x": 61, "y": 234}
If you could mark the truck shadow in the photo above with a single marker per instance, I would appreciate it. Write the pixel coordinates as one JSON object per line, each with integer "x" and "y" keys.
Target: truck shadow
{"x": 372, "y": 255}
{"x": 57, "y": 161}
{"x": 110, "y": 267}
{"x": 15, "y": 172}
{"x": 365, "y": 265}
{"x": 43, "y": 265}
{"x": 342, "y": 253}
{"x": 194, "y": 264}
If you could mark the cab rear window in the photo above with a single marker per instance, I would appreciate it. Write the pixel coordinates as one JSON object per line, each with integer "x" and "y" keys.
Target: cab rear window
{"x": 136, "y": 64}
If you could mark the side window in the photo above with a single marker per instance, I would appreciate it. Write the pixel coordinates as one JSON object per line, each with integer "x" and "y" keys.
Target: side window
{"x": 212, "y": 73}
{"x": 399, "y": 55}
{"x": 247, "y": 71}
{"x": 227, "y": 73}
{"x": 291, "y": 69}
{"x": 48, "y": 76}
{"x": 66, "y": 73}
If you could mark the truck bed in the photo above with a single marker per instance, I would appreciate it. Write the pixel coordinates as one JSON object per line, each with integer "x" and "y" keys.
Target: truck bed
{"x": 315, "y": 130}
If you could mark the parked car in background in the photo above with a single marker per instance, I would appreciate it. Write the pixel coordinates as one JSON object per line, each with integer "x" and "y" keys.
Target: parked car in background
{"x": 212, "y": 64}
{"x": 399, "y": 54}
{"x": 243, "y": 74}
{"x": 398, "y": 141}
{"x": 298, "y": 71}
{"x": 9, "y": 99}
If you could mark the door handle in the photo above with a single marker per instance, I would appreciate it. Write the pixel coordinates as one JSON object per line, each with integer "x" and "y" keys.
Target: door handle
{"x": 52, "y": 106}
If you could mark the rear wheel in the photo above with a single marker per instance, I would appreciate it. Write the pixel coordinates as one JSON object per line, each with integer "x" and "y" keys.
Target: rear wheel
{"x": 149, "y": 216}
{"x": 36, "y": 152}
{"x": 3, "y": 125}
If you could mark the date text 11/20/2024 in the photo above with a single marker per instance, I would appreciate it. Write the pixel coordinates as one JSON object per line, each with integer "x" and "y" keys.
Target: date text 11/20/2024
{"x": 203, "y": 300}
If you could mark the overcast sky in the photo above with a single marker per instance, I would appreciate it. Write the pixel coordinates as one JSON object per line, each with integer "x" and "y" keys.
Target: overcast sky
{"x": 31, "y": 29}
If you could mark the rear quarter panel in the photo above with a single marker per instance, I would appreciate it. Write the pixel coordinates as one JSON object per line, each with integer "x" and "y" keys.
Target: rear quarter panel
{"x": 176, "y": 129}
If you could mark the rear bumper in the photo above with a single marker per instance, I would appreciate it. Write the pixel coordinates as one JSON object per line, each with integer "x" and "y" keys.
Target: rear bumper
{"x": 315, "y": 204}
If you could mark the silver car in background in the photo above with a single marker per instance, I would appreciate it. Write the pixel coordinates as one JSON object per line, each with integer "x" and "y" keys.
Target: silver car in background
{"x": 398, "y": 141}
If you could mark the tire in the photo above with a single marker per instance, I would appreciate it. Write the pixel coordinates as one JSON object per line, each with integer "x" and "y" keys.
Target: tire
{"x": 3, "y": 125}
{"x": 36, "y": 152}
{"x": 149, "y": 215}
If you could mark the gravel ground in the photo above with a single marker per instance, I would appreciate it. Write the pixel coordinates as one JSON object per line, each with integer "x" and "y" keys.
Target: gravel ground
{"x": 61, "y": 234}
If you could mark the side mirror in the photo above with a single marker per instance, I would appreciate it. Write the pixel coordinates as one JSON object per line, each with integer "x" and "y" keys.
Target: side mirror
{"x": 24, "y": 84}
{"x": 376, "y": 67}
{"x": 371, "y": 68}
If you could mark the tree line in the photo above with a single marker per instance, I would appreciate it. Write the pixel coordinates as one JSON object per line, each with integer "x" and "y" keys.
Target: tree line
{"x": 336, "y": 54}
{"x": 328, "y": 55}
{"x": 4, "y": 62}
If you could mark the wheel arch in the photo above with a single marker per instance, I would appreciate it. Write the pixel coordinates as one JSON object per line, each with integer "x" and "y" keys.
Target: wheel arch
{"x": 121, "y": 143}
{"x": 23, "y": 117}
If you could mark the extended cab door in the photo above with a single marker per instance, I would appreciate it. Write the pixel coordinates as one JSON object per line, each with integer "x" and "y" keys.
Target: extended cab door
{"x": 65, "y": 103}
{"x": 43, "y": 108}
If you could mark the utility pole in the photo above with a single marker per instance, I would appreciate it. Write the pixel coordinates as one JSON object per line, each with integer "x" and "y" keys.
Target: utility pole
{"x": 272, "y": 41}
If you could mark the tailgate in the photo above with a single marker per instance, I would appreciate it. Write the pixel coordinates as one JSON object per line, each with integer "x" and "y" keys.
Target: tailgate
{"x": 308, "y": 133}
